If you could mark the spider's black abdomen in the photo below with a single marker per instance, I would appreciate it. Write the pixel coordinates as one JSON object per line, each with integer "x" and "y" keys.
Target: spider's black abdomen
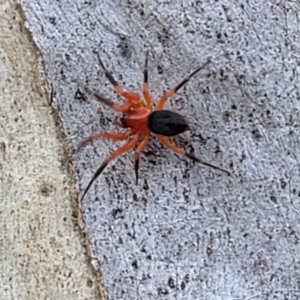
{"x": 167, "y": 123}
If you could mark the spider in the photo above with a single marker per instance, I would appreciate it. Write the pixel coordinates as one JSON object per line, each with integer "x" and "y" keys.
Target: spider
{"x": 141, "y": 120}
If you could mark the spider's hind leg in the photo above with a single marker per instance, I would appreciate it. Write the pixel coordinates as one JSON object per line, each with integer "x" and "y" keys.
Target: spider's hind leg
{"x": 165, "y": 141}
{"x": 129, "y": 145}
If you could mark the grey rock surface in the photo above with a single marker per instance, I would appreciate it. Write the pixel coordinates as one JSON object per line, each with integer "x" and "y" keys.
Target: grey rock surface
{"x": 186, "y": 231}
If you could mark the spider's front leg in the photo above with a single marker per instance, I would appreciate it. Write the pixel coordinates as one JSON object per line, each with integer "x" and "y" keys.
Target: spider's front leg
{"x": 146, "y": 92}
{"x": 131, "y": 98}
{"x": 170, "y": 93}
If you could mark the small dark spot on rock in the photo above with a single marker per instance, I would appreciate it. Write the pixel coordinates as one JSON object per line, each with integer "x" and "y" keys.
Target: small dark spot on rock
{"x": 171, "y": 283}
{"x": 282, "y": 183}
{"x": 209, "y": 251}
{"x": 202, "y": 139}
{"x": 89, "y": 283}
{"x": 52, "y": 20}
{"x": 226, "y": 116}
{"x": 256, "y": 133}
{"x": 116, "y": 212}
{"x": 243, "y": 157}
{"x": 46, "y": 189}
{"x": 162, "y": 291}
{"x": 146, "y": 186}
{"x": 217, "y": 149}
{"x": 67, "y": 56}
{"x": 135, "y": 264}
{"x": 124, "y": 47}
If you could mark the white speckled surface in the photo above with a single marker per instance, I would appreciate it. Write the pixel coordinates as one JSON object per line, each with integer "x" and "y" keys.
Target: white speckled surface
{"x": 186, "y": 232}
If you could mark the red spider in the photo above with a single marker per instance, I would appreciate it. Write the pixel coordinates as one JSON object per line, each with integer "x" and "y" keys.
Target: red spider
{"x": 140, "y": 120}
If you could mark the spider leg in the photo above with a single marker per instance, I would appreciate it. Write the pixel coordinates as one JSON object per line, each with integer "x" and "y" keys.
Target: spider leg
{"x": 164, "y": 140}
{"x": 104, "y": 135}
{"x": 130, "y": 97}
{"x": 137, "y": 153}
{"x": 173, "y": 91}
{"x": 146, "y": 92}
{"x": 131, "y": 144}
{"x": 124, "y": 108}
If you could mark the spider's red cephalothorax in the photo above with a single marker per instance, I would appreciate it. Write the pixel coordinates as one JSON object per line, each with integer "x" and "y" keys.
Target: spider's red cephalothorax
{"x": 140, "y": 120}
